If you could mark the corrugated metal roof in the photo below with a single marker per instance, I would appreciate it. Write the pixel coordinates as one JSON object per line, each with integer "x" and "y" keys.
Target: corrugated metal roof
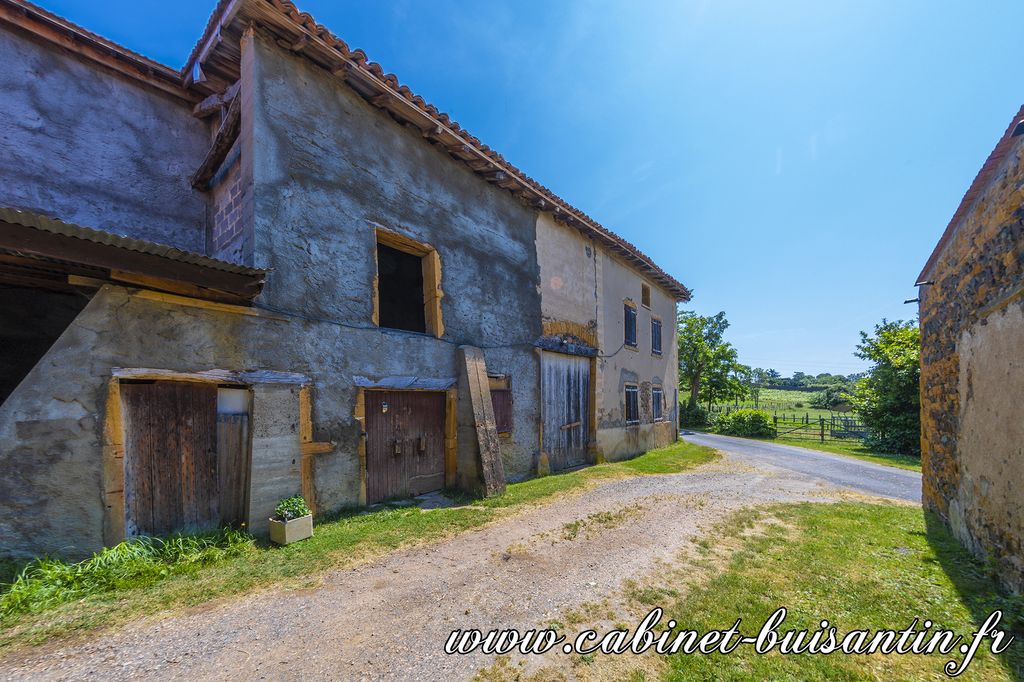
{"x": 53, "y": 226}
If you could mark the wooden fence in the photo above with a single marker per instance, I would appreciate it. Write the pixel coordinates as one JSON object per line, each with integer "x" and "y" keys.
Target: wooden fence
{"x": 820, "y": 429}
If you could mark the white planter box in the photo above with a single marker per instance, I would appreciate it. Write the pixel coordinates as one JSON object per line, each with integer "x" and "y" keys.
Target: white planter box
{"x": 287, "y": 532}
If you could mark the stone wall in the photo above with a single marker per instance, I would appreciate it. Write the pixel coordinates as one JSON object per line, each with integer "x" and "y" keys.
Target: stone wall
{"x": 84, "y": 145}
{"x": 972, "y": 371}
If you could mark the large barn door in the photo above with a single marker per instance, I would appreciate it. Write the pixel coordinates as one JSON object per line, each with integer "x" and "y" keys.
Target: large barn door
{"x": 404, "y": 443}
{"x": 565, "y": 407}
{"x": 171, "y": 470}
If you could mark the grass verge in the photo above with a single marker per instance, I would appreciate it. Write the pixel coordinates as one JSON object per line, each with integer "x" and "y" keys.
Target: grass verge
{"x": 857, "y": 450}
{"x": 51, "y": 598}
{"x": 858, "y": 566}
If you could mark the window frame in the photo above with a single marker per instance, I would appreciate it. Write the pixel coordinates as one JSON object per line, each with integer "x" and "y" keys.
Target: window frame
{"x": 430, "y": 261}
{"x": 645, "y": 295}
{"x": 635, "y": 390}
{"x": 657, "y": 413}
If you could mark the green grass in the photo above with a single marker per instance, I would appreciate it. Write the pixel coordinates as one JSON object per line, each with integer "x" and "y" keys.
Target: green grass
{"x": 784, "y": 403}
{"x": 140, "y": 578}
{"x": 45, "y": 583}
{"x": 856, "y": 565}
{"x": 671, "y": 459}
{"x": 855, "y": 448}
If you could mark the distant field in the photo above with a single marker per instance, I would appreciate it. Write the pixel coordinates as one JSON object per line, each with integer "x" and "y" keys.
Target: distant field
{"x": 783, "y": 403}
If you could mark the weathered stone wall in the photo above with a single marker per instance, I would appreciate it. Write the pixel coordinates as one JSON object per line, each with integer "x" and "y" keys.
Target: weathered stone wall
{"x": 328, "y": 169}
{"x": 972, "y": 373}
{"x": 84, "y": 145}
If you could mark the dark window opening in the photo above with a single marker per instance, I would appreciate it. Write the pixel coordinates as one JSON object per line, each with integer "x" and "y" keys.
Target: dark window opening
{"x": 31, "y": 320}
{"x": 630, "y": 313}
{"x": 656, "y": 337}
{"x": 400, "y": 289}
{"x": 632, "y": 405}
{"x": 501, "y": 399}
{"x": 645, "y": 296}
{"x": 657, "y": 399}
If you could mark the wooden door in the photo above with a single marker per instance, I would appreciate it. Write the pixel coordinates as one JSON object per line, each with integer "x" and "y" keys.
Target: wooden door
{"x": 233, "y": 468}
{"x": 171, "y": 473}
{"x": 404, "y": 443}
{"x": 565, "y": 406}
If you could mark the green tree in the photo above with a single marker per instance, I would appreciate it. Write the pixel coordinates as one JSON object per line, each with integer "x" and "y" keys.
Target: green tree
{"x": 724, "y": 378}
{"x": 700, "y": 346}
{"x": 888, "y": 398}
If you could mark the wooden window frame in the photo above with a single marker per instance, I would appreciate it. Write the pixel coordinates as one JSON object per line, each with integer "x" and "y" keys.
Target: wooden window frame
{"x": 431, "y": 262}
{"x": 627, "y": 389}
{"x": 658, "y": 400}
{"x": 627, "y": 306}
{"x": 659, "y": 336}
{"x": 645, "y": 295}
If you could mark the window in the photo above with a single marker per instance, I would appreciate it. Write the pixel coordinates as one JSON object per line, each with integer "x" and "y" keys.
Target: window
{"x": 501, "y": 400}
{"x": 645, "y": 296}
{"x": 632, "y": 404}
{"x": 656, "y": 336}
{"x": 408, "y": 294}
{"x": 630, "y": 324}
{"x": 400, "y": 287}
{"x": 657, "y": 402}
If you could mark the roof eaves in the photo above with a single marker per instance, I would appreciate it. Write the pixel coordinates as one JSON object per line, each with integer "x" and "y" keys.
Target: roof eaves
{"x": 460, "y": 142}
{"x": 981, "y": 180}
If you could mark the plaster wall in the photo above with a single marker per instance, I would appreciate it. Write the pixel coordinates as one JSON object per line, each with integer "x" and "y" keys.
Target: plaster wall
{"x": 84, "y": 145}
{"x": 622, "y": 364}
{"x": 570, "y": 277}
{"x": 328, "y": 170}
{"x": 583, "y": 289}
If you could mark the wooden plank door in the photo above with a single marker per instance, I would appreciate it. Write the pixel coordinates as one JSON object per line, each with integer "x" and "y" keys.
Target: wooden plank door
{"x": 233, "y": 467}
{"x": 565, "y": 406}
{"x": 404, "y": 443}
{"x": 171, "y": 472}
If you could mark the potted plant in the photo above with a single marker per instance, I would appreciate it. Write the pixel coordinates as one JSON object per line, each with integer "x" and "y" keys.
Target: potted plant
{"x": 292, "y": 521}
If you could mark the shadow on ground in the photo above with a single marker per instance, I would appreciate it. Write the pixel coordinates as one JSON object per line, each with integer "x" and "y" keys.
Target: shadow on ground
{"x": 979, "y": 590}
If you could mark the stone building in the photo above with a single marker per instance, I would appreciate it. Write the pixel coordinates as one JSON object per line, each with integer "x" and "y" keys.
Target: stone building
{"x": 972, "y": 364}
{"x": 277, "y": 271}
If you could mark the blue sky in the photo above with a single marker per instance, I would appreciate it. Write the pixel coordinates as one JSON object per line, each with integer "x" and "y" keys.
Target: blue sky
{"x": 793, "y": 163}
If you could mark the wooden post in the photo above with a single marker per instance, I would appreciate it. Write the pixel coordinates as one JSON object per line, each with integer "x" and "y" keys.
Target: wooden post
{"x": 822, "y": 421}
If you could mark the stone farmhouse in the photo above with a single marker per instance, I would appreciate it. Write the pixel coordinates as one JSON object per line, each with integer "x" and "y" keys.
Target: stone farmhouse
{"x": 972, "y": 364}
{"x": 280, "y": 271}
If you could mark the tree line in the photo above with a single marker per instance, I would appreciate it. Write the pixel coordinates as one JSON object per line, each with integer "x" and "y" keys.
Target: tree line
{"x": 886, "y": 397}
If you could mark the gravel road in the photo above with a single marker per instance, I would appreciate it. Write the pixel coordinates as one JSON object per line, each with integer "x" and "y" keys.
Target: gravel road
{"x": 389, "y": 619}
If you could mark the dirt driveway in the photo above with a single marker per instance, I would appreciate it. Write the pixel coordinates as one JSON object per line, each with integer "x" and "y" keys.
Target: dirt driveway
{"x": 389, "y": 619}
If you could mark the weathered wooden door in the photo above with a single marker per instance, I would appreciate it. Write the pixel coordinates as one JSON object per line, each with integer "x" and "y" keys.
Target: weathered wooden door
{"x": 233, "y": 467}
{"x": 171, "y": 463}
{"x": 565, "y": 406}
{"x": 404, "y": 443}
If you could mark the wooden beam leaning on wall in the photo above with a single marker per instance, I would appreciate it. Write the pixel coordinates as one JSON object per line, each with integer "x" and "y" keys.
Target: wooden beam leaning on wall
{"x": 471, "y": 360}
{"x": 214, "y": 103}
{"x": 222, "y": 142}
